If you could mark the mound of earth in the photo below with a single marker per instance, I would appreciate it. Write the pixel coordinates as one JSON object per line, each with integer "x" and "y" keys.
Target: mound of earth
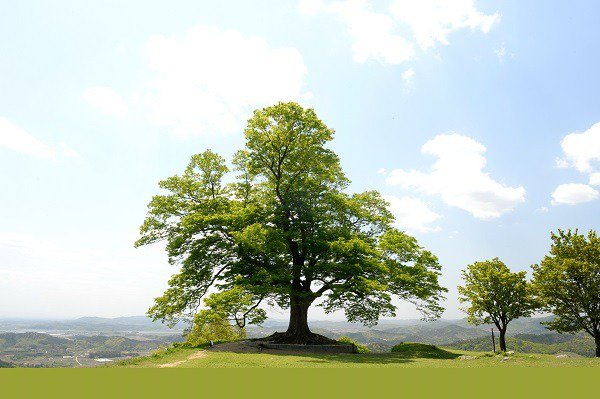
{"x": 261, "y": 346}
{"x": 307, "y": 339}
{"x": 423, "y": 351}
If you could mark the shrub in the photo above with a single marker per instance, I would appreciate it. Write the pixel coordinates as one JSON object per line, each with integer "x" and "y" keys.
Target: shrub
{"x": 349, "y": 341}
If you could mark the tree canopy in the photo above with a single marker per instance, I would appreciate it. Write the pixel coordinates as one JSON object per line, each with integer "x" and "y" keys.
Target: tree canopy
{"x": 285, "y": 231}
{"x": 495, "y": 295}
{"x": 567, "y": 283}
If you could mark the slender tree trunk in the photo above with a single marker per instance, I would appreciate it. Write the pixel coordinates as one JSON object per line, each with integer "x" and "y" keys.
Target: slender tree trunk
{"x": 503, "y": 340}
{"x": 597, "y": 338}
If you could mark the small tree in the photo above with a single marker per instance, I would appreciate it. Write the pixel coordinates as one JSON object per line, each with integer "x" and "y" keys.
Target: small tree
{"x": 225, "y": 316}
{"x": 205, "y": 330}
{"x": 567, "y": 283}
{"x": 236, "y": 306}
{"x": 496, "y": 295}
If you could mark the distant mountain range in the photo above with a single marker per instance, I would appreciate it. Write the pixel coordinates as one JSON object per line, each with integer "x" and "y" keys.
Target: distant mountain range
{"x": 525, "y": 335}
{"x": 439, "y": 332}
{"x": 89, "y": 324}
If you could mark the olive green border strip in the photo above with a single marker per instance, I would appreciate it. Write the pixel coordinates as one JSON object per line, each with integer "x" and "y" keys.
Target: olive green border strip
{"x": 300, "y": 383}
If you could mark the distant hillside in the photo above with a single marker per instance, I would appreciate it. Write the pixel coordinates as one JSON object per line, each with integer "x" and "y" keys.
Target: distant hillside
{"x": 388, "y": 333}
{"x": 381, "y": 338}
{"x": 5, "y": 365}
{"x": 436, "y": 334}
{"x": 33, "y": 348}
{"x": 531, "y": 343}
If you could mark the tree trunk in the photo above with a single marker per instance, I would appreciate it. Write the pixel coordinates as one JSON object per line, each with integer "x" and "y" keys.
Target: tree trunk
{"x": 298, "y": 326}
{"x": 503, "y": 340}
{"x": 298, "y": 331}
{"x": 597, "y": 338}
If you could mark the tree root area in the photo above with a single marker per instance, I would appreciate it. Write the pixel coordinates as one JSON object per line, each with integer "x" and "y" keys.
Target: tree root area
{"x": 298, "y": 339}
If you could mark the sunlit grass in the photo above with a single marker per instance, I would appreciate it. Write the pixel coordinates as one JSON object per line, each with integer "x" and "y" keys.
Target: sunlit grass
{"x": 410, "y": 355}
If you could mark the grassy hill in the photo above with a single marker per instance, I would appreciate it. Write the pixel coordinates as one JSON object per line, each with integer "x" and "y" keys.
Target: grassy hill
{"x": 410, "y": 355}
{"x": 580, "y": 344}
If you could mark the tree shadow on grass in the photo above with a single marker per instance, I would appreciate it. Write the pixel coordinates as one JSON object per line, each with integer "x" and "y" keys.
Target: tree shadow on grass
{"x": 347, "y": 358}
{"x": 402, "y": 353}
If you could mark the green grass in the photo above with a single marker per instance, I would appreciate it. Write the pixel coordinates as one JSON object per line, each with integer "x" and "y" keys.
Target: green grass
{"x": 415, "y": 350}
{"x": 408, "y": 355}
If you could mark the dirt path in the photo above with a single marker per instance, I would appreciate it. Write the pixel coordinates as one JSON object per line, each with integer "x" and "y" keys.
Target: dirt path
{"x": 197, "y": 355}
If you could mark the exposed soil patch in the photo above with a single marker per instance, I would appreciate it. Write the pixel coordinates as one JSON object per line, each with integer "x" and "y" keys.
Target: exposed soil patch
{"x": 169, "y": 365}
{"x": 197, "y": 355}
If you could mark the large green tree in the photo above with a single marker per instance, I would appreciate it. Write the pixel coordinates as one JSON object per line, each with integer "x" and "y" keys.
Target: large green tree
{"x": 495, "y": 295}
{"x": 567, "y": 283}
{"x": 285, "y": 230}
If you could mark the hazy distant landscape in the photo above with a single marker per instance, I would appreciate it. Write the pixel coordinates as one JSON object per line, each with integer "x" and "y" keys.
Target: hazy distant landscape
{"x": 92, "y": 341}
{"x": 82, "y": 342}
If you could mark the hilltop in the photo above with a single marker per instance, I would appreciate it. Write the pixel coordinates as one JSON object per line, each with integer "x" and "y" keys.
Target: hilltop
{"x": 410, "y": 355}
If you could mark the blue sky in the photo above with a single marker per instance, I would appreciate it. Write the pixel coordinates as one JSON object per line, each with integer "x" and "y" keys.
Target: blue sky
{"x": 477, "y": 120}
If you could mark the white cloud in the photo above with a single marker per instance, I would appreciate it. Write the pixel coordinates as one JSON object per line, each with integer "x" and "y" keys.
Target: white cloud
{"x": 458, "y": 177}
{"x": 561, "y": 163}
{"x": 371, "y": 32}
{"x": 573, "y": 194}
{"x": 209, "y": 80}
{"x": 68, "y": 151}
{"x": 431, "y": 21}
{"x": 501, "y": 53}
{"x": 16, "y": 139}
{"x": 582, "y": 150}
{"x": 106, "y": 100}
{"x": 542, "y": 209}
{"x": 381, "y": 171}
{"x": 412, "y": 214}
{"x": 376, "y": 35}
{"x": 408, "y": 75}
{"x": 310, "y": 6}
